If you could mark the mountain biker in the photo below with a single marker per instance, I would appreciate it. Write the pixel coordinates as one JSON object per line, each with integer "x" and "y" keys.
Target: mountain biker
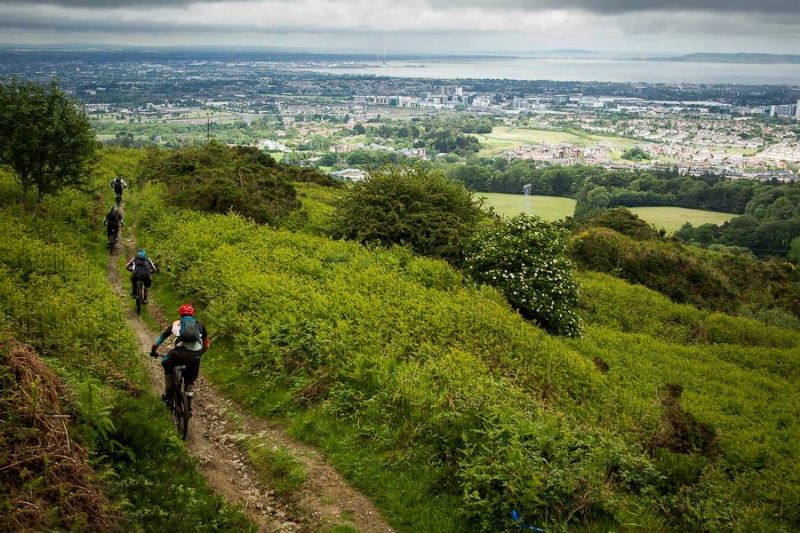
{"x": 112, "y": 222}
{"x": 190, "y": 345}
{"x": 118, "y": 184}
{"x": 142, "y": 268}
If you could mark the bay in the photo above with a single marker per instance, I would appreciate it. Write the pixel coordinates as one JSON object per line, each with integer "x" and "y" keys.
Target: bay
{"x": 569, "y": 69}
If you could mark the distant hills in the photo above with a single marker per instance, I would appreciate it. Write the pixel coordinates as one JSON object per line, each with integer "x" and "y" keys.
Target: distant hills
{"x": 733, "y": 58}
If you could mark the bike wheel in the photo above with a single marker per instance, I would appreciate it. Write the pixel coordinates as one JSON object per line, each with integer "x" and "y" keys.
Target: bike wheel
{"x": 139, "y": 296}
{"x": 180, "y": 408}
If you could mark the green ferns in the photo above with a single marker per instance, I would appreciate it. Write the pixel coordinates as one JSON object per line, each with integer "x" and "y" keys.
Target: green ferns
{"x": 55, "y": 296}
{"x": 451, "y": 410}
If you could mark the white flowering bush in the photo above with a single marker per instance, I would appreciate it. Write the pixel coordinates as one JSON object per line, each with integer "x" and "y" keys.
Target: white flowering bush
{"x": 526, "y": 258}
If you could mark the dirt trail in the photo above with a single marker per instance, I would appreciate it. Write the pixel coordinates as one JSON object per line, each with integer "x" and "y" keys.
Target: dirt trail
{"x": 216, "y": 437}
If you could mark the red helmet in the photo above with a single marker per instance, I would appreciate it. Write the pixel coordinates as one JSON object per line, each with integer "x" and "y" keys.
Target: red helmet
{"x": 186, "y": 309}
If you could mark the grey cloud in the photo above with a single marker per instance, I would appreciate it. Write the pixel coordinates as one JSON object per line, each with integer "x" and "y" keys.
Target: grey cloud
{"x": 763, "y": 7}
{"x": 633, "y": 6}
{"x": 39, "y": 22}
{"x": 107, "y": 4}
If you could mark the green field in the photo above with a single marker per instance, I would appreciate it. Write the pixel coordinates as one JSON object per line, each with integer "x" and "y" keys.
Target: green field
{"x": 672, "y": 218}
{"x": 550, "y": 208}
{"x": 554, "y": 208}
{"x": 503, "y": 137}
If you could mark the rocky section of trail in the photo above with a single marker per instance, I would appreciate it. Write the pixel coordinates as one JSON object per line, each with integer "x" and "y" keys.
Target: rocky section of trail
{"x": 217, "y": 437}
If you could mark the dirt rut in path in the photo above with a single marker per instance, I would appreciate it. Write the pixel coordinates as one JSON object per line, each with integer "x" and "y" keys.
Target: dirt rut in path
{"x": 217, "y": 436}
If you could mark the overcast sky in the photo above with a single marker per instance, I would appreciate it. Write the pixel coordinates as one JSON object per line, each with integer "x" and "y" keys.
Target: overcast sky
{"x": 413, "y": 26}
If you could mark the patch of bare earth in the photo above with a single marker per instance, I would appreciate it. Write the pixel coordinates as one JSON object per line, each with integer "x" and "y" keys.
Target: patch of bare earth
{"x": 217, "y": 435}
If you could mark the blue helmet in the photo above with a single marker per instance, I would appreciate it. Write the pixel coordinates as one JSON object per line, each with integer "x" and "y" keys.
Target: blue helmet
{"x": 142, "y": 253}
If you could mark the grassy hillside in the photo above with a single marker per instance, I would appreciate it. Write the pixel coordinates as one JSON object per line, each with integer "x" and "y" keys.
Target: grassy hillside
{"x": 451, "y": 411}
{"x": 54, "y": 296}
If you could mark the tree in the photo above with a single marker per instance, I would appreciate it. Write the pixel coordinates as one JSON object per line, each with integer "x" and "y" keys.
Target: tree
{"x": 412, "y": 206}
{"x": 635, "y": 154}
{"x": 46, "y": 139}
{"x": 794, "y": 250}
{"x": 526, "y": 259}
{"x": 595, "y": 201}
{"x": 328, "y": 160}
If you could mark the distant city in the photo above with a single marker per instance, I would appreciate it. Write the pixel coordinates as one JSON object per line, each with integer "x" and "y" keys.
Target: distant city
{"x": 277, "y": 102}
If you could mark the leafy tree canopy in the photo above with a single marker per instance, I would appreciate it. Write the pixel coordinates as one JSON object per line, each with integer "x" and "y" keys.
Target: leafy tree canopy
{"x": 46, "y": 139}
{"x": 411, "y": 206}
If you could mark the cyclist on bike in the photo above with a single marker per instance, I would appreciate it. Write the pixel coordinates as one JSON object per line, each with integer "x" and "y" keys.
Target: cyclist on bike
{"x": 112, "y": 222}
{"x": 142, "y": 268}
{"x": 118, "y": 184}
{"x": 191, "y": 342}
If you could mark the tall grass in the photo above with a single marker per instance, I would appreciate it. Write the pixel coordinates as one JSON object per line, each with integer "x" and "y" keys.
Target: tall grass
{"x": 451, "y": 411}
{"x": 55, "y": 296}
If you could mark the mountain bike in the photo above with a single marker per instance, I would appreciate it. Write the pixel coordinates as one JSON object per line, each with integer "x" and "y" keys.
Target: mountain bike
{"x": 118, "y": 198}
{"x": 181, "y": 403}
{"x": 141, "y": 295}
{"x": 113, "y": 239}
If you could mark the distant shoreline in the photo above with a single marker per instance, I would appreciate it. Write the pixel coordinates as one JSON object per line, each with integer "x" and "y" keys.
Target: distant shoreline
{"x": 742, "y": 59}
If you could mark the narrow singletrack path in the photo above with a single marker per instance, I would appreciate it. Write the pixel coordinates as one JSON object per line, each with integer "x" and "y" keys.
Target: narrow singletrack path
{"x": 216, "y": 438}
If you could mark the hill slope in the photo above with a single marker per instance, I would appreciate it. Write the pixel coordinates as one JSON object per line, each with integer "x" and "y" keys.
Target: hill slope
{"x": 451, "y": 411}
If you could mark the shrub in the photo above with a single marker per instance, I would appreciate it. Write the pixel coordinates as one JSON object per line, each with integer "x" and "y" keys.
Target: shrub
{"x": 624, "y": 221}
{"x": 526, "y": 258}
{"x": 719, "y": 280}
{"x": 217, "y": 179}
{"x": 635, "y": 154}
{"x": 415, "y": 206}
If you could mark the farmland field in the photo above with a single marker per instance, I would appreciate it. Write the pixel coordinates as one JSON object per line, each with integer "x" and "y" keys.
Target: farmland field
{"x": 672, "y": 218}
{"x": 503, "y": 137}
{"x": 550, "y": 208}
{"x": 554, "y": 208}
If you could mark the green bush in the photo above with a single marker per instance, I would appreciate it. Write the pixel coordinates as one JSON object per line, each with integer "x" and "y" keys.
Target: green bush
{"x": 416, "y": 207}
{"x": 665, "y": 267}
{"x": 526, "y": 258}
{"x": 719, "y": 280}
{"x": 623, "y": 221}
{"x": 217, "y": 179}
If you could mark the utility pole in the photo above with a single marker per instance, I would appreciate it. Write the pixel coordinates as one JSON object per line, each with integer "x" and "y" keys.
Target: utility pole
{"x": 208, "y": 129}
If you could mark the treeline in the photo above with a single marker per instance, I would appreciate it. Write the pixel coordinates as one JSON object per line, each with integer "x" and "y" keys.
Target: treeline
{"x": 770, "y": 219}
{"x": 770, "y": 225}
{"x": 621, "y": 188}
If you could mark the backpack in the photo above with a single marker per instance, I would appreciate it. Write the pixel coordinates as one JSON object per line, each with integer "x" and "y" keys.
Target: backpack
{"x": 189, "y": 330}
{"x": 117, "y": 185}
{"x": 141, "y": 266}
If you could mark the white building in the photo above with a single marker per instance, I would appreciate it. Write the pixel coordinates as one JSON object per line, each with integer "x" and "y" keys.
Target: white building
{"x": 350, "y": 174}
